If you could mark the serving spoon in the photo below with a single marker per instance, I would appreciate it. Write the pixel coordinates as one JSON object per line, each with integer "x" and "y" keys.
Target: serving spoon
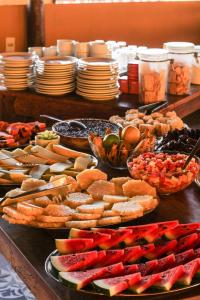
{"x": 70, "y": 122}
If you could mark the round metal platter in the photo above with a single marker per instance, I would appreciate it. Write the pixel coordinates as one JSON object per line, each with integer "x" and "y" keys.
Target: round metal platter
{"x": 51, "y": 272}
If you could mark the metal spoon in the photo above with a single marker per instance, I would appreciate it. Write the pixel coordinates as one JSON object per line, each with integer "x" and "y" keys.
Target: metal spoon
{"x": 70, "y": 122}
{"x": 192, "y": 154}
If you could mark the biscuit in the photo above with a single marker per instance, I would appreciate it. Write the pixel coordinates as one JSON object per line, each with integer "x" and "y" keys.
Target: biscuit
{"x": 138, "y": 187}
{"x": 58, "y": 210}
{"x": 31, "y": 183}
{"x": 127, "y": 209}
{"x": 109, "y": 221}
{"x": 114, "y": 198}
{"x": 81, "y": 224}
{"x": 51, "y": 219}
{"x": 94, "y": 208}
{"x": 42, "y": 201}
{"x": 146, "y": 201}
{"x": 15, "y": 221}
{"x": 47, "y": 225}
{"x": 101, "y": 187}
{"x": 84, "y": 216}
{"x": 76, "y": 199}
{"x": 29, "y": 209}
{"x": 87, "y": 177}
{"x": 14, "y": 214}
{"x": 109, "y": 213}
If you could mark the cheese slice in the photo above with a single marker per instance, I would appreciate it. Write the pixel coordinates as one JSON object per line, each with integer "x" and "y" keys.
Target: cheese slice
{"x": 81, "y": 163}
{"x": 48, "y": 155}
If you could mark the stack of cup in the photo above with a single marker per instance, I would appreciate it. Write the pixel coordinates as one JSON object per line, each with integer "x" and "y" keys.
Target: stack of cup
{"x": 65, "y": 47}
{"x": 100, "y": 50}
{"x": 50, "y": 51}
{"x": 81, "y": 49}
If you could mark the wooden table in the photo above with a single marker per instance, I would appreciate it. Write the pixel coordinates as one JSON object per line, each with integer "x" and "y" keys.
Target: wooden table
{"x": 27, "y": 248}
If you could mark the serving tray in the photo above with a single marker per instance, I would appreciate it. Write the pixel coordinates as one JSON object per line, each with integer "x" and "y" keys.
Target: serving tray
{"x": 51, "y": 272}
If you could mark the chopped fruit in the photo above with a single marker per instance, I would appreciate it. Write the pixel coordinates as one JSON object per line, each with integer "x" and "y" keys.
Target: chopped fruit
{"x": 65, "y": 246}
{"x": 162, "y": 249}
{"x": 164, "y": 263}
{"x": 169, "y": 278}
{"x": 184, "y": 257}
{"x": 73, "y": 262}
{"x": 113, "y": 286}
{"x": 191, "y": 269}
{"x": 131, "y": 254}
{"x": 100, "y": 257}
{"x": 181, "y": 230}
{"x": 130, "y": 269}
{"x": 145, "y": 283}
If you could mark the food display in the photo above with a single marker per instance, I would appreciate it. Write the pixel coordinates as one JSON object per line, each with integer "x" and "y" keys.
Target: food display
{"x": 76, "y": 136}
{"x": 157, "y": 123}
{"x": 90, "y": 200}
{"x": 114, "y": 149}
{"x": 15, "y": 134}
{"x": 144, "y": 259}
{"x": 164, "y": 171}
{"x": 179, "y": 140}
{"x": 41, "y": 163}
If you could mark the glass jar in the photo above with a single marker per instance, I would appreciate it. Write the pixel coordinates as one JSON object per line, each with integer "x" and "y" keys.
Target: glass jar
{"x": 196, "y": 66}
{"x": 181, "y": 56}
{"x": 153, "y": 71}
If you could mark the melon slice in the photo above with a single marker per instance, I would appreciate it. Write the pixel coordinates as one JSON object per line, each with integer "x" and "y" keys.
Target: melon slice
{"x": 130, "y": 269}
{"x": 112, "y": 257}
{"x": 80, "y": 279}
{"x": 138, "y": 233}
{"x": 184, "y": 257}
{"x": 73, "y": 262}
{"x": 65, "y": 246}
{"x": 145, "y": 283}
{"x": 164, "y": 263}
{"x": 97, "y": 237}
{"x": 186, "y": 242}
{"x": 116, "y": 285}
{"x": 181, "y": 230}
{"x": 191, "y": 269}
{"x": 135, "y": 253}
{"x": 116, "y": 237}
{"x": 161, "y": 249}
{"x": 169, "y": 278}
{"x": 158, "y": 232}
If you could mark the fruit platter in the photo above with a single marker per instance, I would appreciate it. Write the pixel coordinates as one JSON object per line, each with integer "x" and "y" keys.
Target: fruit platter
{"x": 90, "y": 200}
{"x": 145, "y": 260}
{"x": 13, "y": 135}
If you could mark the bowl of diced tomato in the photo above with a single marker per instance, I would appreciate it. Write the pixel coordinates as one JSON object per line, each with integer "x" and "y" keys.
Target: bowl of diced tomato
{"x": 164, "y": 171}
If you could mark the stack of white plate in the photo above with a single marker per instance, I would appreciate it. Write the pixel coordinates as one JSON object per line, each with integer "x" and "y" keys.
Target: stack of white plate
{"x": 97, "y": 78}
{"x": 55, "y": 75}
{"x": 17, "y": 68}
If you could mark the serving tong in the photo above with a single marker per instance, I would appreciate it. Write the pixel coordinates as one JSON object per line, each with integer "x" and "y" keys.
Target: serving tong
{"x": 153, "y": 107}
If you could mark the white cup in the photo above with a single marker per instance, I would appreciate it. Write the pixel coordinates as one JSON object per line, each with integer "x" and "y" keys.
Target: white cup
{"x": 65, "y": 47}
{"x": 50, "y": 51}
{"x": 36, "y": 50}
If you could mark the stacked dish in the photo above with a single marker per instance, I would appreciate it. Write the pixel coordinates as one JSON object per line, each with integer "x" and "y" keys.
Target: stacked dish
{"x": 97, "y": 78}
{"x": 17, "y": 68}
{"x": 55, "y": 75}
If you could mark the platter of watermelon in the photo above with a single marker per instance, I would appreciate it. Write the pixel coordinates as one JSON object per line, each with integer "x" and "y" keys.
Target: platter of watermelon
{"x": 143, "y": 260}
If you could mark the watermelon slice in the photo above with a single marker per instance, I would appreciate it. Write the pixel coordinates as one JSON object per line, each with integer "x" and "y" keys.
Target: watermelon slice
{"x": 164, "y": 263}
{"x": 117, "y": 237}
{"x": 186, "y": 242}
{"x": 113, "y": 286}
{"x": 97, "y": 237}
{"x": 80, "y": 279}
{"x": 184, "y": 257}
{"x": 145, "y": 283}
{"x": 161, "y": 249}
{"x": 197, "y": 252}
{"x": 131, "y": 254}
{"x": 100, "y": 257}
{"x": 73, "y": 262}
{"x": 197, "y": 243}
{"x": 112, "y": 257}
{"x": 130, "y": 269}
{"x": 149, "y": 267}
{"x": 181, "y": 230}
{"x": 155, "y": 234}
{"x": 65, "y": 246}
{"x": 191, "y": 269}
{"x": 169, "y": 277}
{"x": 138, "y": 233}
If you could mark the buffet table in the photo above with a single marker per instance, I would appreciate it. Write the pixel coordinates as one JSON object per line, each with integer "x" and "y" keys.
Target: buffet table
{"x": 27, "y": 248}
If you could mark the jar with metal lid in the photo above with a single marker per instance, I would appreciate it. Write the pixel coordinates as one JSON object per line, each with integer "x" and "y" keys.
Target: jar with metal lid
{"x": 153, "y": 71}
{"x": 181, "y": 56}
{"x": 196, "y": 66}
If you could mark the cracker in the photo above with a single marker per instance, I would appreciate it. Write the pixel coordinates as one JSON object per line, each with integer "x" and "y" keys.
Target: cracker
{"x": 42, "y": 201}
{"x": 138, "y": 187}
{"x": 94, "y": 208}
{"x": 127, "y": 209}
{"x": 76, "y": 199}
{"x": 47, "y": 225}
{"x": 146, "y": 201}
{"x": 31, "y": 183}
{"x": 29, "y": 209}
{"x": 101, "y": 187}
{"x": 57, "y": 210}
{"x": 81, "y": 224}
{"x": 51, "y": 219}
{"x": 114, "y": 198}
{"x": 127, "y": 218}
{"x": 109, "y": 220}
{"x": 109, "y": 213}
{"x": 13, "y": 213}
{"x": 79, "y": 216}
{"x": 87, "y": 177}
{"x": 14, "y": 221}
